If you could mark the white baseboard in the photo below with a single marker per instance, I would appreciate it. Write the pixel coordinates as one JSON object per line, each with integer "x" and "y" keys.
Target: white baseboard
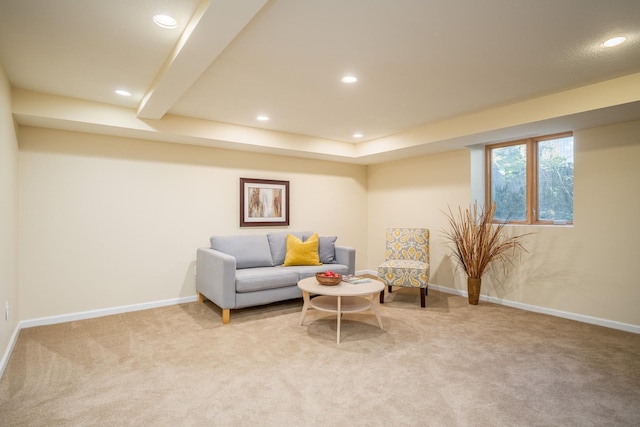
{"x": 537, "y": 309}
{"x": 9, "y": 349}
{"x": 41, "y": 321}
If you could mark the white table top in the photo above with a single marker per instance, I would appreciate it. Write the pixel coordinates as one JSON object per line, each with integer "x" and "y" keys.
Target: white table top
{"x": 311, "y": 285}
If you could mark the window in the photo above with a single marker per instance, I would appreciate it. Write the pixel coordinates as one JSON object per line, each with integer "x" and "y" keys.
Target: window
{"x": 531, "y": 180}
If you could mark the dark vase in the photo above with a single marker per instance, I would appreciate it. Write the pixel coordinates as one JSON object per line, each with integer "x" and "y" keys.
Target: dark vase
{"x": 473, "y": 288}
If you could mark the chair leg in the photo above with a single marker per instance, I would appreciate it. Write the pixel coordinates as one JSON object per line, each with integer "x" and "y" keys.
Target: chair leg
{"x": 382, "y": 296}
{"x": 423, "y": 291}
{"x": 389, "y": 288}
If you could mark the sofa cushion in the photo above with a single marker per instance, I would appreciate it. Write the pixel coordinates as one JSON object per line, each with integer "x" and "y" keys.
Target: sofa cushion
{"x": 326, "y": 248}
{"x": 278, "y": 244}
{"x": 250, "y": 250}
{"x": 302, "y": 253}
{"x": 257, "y": 279}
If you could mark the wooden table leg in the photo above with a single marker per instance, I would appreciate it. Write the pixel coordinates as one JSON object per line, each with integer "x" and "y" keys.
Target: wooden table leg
{"x": 339, "y": 317}
{"x": 305, "y": 306}
{"x": 374, "y": 307}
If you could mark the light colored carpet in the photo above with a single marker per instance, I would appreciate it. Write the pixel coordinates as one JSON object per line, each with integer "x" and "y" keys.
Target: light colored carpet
{"x": 449, "y": 364}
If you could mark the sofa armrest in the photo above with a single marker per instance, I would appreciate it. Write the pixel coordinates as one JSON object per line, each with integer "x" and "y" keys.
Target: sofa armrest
{"x": 347, "y": 256}
{"x": 216, "y": 277}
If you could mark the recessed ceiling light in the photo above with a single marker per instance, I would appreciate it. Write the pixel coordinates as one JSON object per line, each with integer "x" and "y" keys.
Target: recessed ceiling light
{"x": 357, "y": 135}
{"x": 165, "y": 21}
{"x": 123, "y": 92}
{"x": 349, "y": 79}
{"x": 263, "y": 118}
{"x": 614, "y": 41}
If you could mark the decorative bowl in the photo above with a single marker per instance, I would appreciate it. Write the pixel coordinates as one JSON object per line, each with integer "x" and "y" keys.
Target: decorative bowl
{"x": 328, "y": 280}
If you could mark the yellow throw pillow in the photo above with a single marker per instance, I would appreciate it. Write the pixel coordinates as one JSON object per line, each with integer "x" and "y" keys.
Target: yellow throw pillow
{"x": 302, "y": 253}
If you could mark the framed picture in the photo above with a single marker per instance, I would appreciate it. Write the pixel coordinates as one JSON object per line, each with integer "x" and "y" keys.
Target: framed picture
{"x": 263, "y": 202}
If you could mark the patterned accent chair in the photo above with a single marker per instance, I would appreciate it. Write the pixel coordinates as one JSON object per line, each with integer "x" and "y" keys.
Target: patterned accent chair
{"x": 406, "y": 260}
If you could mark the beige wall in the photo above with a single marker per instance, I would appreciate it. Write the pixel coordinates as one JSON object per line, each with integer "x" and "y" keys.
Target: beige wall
{"x": 586, "y": 269}
{"x": 108, "y": 222}
{"x": 8, "y": 218}
{"x": 415, "y": 193}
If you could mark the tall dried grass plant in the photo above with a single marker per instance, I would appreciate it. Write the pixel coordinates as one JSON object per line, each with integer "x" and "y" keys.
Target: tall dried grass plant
{"x": 478, "y": 242}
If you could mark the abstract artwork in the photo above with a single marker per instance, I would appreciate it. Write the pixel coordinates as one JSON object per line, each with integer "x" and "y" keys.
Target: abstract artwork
{"x": 263, "y": 202}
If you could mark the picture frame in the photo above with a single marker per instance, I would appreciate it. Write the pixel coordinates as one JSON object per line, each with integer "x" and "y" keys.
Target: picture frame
{"x": 263, "y": 202}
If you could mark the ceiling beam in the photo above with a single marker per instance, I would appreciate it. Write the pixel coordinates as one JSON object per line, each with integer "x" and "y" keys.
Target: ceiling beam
{"x": 212, "y": 28}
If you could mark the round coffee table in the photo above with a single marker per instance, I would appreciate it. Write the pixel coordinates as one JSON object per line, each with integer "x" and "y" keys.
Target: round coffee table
{"x": 341, "y": 298}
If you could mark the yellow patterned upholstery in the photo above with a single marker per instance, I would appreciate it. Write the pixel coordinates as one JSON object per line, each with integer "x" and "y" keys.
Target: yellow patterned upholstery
{"x": 406, "y": 260}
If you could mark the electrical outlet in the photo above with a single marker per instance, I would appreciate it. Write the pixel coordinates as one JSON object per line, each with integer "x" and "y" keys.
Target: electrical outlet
{"x": 6, "y": 311}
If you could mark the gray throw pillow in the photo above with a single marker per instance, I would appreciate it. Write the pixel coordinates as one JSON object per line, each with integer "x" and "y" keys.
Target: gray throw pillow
{"x": 326, "y": 248}
{"x": 250, "y": 250}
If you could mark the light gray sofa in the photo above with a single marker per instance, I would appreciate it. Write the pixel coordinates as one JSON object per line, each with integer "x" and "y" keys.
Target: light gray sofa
{"x": 246, "y": 270}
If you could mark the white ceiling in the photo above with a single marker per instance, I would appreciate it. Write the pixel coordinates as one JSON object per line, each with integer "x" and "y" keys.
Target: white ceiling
{"x": 420, "y": 64}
